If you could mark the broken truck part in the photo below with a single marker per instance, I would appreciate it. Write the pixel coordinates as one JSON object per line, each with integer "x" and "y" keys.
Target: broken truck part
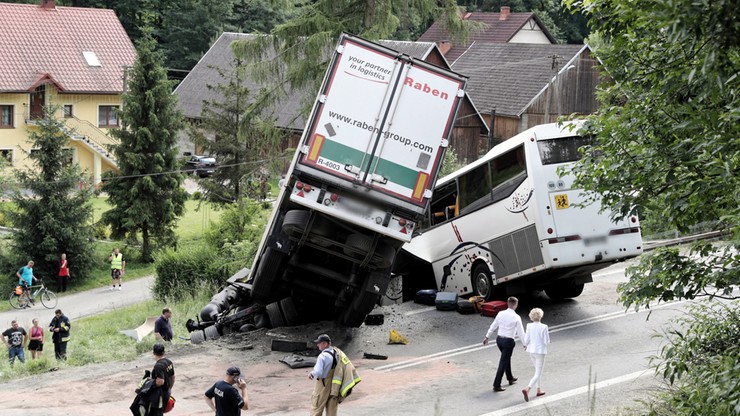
{"x": 359, "y": 182}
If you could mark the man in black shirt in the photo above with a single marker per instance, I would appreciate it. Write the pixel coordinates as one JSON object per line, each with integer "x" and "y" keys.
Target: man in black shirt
{"x": 228, "y": 400}
{"x": 162, "y": 326}
{"x": 163, "y": 374}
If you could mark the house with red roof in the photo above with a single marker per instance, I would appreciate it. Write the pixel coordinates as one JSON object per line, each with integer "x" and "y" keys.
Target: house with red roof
{"x": 74, "y": 59}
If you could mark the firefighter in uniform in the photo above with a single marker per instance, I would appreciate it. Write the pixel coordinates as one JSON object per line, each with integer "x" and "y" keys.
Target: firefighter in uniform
{"x": 323, "y": 373}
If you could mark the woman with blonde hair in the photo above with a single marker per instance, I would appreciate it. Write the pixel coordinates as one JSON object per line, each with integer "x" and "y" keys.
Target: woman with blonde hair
{"x": 536, "y": 339}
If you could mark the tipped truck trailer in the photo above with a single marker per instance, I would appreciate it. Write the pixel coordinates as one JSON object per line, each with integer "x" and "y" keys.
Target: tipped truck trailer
{"x": 359, "y": 183}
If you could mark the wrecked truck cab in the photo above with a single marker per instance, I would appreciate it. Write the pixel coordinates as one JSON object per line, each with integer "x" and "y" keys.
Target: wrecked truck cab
{"x": 359, "y": 182}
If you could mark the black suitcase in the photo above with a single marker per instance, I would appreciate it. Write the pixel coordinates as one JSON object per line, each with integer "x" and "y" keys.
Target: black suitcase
{"x": 465, "y": 307}
{"x": 446, "y": 301}
{"x": 425, "y": 297}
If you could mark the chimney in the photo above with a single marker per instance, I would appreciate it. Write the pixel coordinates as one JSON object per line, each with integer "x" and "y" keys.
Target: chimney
{"x": 444, "y": 46}
{"x": 504, "y": 15}
{"x": 48, "y": 4}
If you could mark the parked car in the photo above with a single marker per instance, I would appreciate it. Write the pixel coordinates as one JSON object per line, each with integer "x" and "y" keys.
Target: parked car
{"x": 202, "y": 166}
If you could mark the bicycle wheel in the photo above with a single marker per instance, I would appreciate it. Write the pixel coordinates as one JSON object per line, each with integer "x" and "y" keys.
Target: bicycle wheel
{"x": 16, "y": 302}
{"x": 49, "y": 299}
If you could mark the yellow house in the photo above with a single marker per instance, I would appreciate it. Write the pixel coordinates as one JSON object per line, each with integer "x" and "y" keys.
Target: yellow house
{"x": 69, "y": 57}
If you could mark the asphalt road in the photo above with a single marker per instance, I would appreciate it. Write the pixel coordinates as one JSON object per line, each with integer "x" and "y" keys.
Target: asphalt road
{"x": 82, "y": 304}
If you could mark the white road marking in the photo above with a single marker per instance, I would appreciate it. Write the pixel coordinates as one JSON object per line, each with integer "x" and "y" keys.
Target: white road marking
{"x": 541, "y": 401}
{"x": 476, "y": 347}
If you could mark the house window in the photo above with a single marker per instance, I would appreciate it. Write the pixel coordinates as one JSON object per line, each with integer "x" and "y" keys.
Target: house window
{"x": 108, "y": 116}
{"x": 6, "y": 116}
{"x": 6, "y": 157}
{"x": 68, "y": 111}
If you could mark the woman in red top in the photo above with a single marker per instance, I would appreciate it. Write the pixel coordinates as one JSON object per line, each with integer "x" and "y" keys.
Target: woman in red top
{"x": 36, "y": 345}
{"x": 63, "y": 277}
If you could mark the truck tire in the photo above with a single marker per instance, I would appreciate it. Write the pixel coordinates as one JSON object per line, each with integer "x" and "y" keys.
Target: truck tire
{"x": 197, "y": 337}
{"x": 295, "y": 221}
{"x": 265, "y": 280}
{"x": 383, "y": 256}
{"x": 565, "y": 291}
{"x": 482, "y": 281}
{"x": 274, "y": 315}
{"x": 356, "y": 311}
{"x": 211, "y": 332}
{"x": 289, "y": 311}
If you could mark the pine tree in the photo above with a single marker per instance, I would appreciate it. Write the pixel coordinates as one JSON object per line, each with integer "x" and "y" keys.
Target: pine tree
{"x": 229, "y": 130}
{"x": 147, "y": 196}
{"x": 56, "y": 217}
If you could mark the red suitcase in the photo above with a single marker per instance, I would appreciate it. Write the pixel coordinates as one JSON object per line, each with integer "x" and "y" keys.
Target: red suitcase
{"x": 493, "y": 307}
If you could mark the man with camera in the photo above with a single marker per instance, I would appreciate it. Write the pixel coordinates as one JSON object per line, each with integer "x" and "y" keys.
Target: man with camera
{"x": 228, "y": 401}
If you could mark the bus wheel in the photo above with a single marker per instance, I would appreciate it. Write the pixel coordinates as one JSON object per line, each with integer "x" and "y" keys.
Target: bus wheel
{"x": 267, "y": 271}
{"x": 564, "y": 291}
{"x": 482, "y": 282}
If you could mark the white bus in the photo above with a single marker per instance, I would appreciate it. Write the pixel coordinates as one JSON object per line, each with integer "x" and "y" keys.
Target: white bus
{"x": 508, "y": 223}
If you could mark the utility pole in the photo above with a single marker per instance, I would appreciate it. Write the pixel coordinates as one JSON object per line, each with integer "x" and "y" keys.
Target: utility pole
{"x": 554, "y": 68}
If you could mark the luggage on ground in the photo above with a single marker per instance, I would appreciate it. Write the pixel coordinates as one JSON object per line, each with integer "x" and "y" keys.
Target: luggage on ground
{"x": 465, "y": 307}
{"x": 493, "y": 307}
{"x": 477, "y": 302}
{"x": 425, "y": 297}
{"x": 446, "y": 301}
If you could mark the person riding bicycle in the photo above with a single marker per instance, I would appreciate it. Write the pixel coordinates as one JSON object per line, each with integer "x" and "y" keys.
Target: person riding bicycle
{"x": 26, "y": 278}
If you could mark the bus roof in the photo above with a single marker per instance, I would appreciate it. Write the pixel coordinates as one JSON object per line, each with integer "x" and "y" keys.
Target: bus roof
{"x": 541, "y": 132}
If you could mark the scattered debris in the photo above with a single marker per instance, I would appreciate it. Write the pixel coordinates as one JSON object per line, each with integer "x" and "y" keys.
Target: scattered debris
{"x": 298, "y": 361}
{"x": 395, "y": 338}
{"x": 375, "y": 319}
{"x": 142, "y": 330}
{"x": 287, "y": 346}
{"x": 374, "y": 356}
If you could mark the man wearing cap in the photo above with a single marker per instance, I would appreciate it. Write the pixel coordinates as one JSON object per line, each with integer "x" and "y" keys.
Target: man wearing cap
{"x": 163, "y": 374}
{"x": 228, "y": 400}
{"x": 323, "y": 373}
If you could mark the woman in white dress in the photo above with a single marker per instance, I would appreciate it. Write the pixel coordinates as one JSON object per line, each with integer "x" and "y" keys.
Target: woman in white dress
{"x": 536, "y": 339}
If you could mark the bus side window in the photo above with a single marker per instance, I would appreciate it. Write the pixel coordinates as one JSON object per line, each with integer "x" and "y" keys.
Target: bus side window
{"x": 508, "y": 172}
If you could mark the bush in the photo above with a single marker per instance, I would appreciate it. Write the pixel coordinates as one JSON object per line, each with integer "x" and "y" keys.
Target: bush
{"x": 101, "y": 231}
{"x": 196, "y": 196}
{"x": 241, "y": 221}
{"x": 701, "y": 363}
{"x": 183, "y": 273}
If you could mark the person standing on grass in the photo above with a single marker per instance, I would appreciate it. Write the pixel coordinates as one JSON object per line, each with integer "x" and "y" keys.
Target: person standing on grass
{"x": 36, "y": 336}
{"x": 162, "y": 326}
{"x": 117, "y": 268}
{"x": 63, "y": 276}
{"x": 15, "y": 339}
{"x": 59, "y": 328}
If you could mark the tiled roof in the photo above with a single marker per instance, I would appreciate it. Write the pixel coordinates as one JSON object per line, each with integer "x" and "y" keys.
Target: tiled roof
{"x": 193, "y": 90}
{"x": 507, "y": 76}
{"x": 38, "y": 43}
{"x": 496, "y": 31}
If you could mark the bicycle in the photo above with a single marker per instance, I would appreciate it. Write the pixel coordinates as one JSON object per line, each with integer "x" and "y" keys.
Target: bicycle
{"x": 48, "y": 298}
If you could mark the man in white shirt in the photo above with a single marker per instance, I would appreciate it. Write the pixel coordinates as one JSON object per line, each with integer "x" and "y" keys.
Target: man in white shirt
{"x": 509, "y": 326}
{"x": 323, "y": 372}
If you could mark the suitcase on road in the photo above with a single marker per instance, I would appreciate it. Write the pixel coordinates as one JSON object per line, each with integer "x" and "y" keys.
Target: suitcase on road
{"x": 425, "y": 297}
{"x": 446, "y": 301}
{"x": 493, "y": 307}
{"x": 465, "y": 307}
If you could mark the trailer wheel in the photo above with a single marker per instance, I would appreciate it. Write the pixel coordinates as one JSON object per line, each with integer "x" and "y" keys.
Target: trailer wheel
{"x": 566, "y": 291}
{"x": 289, "y": 311}
{"x": 295, "y": 221}
{"x": 482, "y": 281}
{"x": 267, "y": 271}
{"x": 356, "y": 312}
{"x": 383, "y": 256}
{"x": 274, "y": 315}
{"x": 197, "y": 337}
{"x": 212, "y": 332}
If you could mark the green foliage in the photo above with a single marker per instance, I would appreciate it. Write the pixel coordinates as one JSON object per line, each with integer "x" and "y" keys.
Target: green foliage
{"x": 147, "y": 196}
{"x": 196, "y": 196}
{"x": 56, "y": 219}
{"x": 450, "y": 163}
{"x": 183, "y": 273}
{"x": 667, "y": 131}
{"x": 701, "y": 363}
{"x": 241, "y": 221}
{"x": 245, "y": 148}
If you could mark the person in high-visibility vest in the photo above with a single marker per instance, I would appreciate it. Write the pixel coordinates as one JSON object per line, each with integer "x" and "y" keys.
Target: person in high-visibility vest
{"x": 117, "y": 268}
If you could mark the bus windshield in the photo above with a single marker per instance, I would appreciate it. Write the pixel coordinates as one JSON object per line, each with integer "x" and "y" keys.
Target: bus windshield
{"x": 562, "y": 149}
